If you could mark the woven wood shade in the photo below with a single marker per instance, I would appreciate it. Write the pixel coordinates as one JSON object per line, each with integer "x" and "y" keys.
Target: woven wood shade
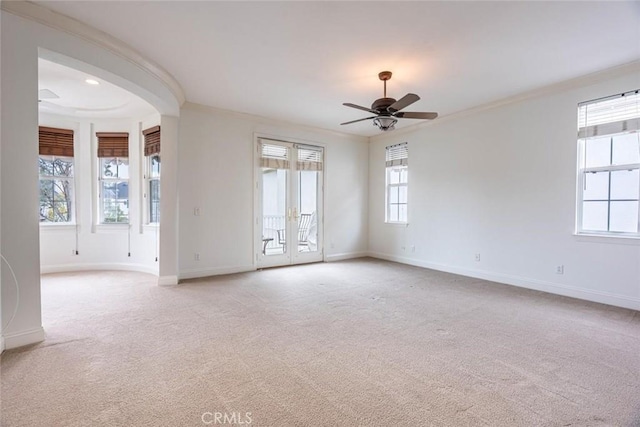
{"x": 113, "y": 144}
{"x": 151, "y": 140}
{"x": 55, "y": 142}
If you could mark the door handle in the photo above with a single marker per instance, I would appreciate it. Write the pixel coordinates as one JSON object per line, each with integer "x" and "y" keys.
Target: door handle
{"x": 295, "y": 213}
{"x": 289, "y": 214}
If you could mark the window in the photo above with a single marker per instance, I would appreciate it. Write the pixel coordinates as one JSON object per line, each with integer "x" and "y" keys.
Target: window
{"x": 397, "y": 161}
{"x": 152, "y": 174}
{"x": 113, "y": 155}
{"x": 153, "y": 188}
{"x": 56, "y": 175}
{"x": 609, "y": 166}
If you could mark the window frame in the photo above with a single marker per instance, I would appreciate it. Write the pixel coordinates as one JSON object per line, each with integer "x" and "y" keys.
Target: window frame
{"x": 396, "y": 160}
{"x": 101, "y": 198}
{"x": 149, "y": 177}
{"x": 583, "y": 170}
{"x": 71, "y": 179}
{"x": 389, "y": 186}
{"x": 608, "y": 143}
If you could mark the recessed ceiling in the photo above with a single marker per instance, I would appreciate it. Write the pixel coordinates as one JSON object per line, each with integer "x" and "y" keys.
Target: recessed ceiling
{"x": 299, "y": 61}
{"x": 79, "y": 98}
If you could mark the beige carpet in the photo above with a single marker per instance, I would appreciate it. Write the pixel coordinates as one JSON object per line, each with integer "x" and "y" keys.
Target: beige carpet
{"x": 361, "y": 342}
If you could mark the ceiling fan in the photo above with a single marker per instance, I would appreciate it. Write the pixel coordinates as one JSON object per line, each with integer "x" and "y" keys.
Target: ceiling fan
{"x": 387, "y": 110}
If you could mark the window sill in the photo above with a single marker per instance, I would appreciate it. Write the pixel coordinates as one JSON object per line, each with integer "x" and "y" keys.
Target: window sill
{"x": 397, "y": 224}
{"x": 112, "y": 228}
{"x": 607, "y": 239}
{"x": 57, "y": 227}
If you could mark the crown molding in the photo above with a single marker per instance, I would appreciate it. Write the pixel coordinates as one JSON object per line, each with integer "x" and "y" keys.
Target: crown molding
{"x": 271, "y": 122}
{"x": 64, "y": 23}
{"x": 581, "y": 81}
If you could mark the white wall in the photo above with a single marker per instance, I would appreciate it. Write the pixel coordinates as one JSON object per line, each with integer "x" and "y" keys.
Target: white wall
{"x": 102, "y": 246}
{"x": 216, "y": 175}
{"x": 21, "y": 41}
{"x": 502, "y": 183}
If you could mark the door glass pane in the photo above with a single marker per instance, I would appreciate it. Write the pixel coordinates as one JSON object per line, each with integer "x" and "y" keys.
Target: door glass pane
{"x": 624, "y": 217}
{"x": 594, "y": 216}
{"x": 274, "y": 214}
{"x": 307, "y": 209}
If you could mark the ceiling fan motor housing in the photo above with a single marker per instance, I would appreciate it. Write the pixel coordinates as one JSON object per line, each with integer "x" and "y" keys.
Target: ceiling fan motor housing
{"x": 382, "y": 104}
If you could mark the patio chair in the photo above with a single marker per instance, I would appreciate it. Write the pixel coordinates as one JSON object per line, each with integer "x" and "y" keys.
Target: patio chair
{"x": 303, "y": 232}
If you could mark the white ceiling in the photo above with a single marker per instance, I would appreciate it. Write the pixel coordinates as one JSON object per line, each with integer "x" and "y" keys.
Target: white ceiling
{"x": 299, "y": 61}
{"x": 78, "y": 98}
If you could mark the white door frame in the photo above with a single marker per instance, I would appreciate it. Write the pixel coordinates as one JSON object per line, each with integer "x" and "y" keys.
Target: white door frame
{"x": 292, "y": 255}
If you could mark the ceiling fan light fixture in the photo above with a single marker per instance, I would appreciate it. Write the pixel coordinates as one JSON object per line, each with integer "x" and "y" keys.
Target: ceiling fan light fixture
{"x": 385, "y": 123}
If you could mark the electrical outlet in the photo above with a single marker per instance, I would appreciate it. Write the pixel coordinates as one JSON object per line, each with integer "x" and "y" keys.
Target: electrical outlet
{"x": 560, "y": 269}
{"x": 404, "y": 248}
{"x": 477, "y": 258}
{"x": 73, "y": 251}
{"x": 196, "y": 256}
{"x": 413, "y": 249}
{"x": 196, "y": 211}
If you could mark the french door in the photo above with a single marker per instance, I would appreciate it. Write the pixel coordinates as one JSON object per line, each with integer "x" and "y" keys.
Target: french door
{"x": 289, "y": 188}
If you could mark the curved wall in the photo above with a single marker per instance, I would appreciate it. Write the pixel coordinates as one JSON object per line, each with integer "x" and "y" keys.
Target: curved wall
{"x": 85, "y": 246}
{"x": 21, "y": 41}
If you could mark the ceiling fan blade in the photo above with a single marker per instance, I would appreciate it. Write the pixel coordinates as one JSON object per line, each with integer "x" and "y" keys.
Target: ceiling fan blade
{"x": 360, "y": 108}
{"x": 359, "y": 120}
{"x": 416, "y": 115}
{"x": 403, "y": 102}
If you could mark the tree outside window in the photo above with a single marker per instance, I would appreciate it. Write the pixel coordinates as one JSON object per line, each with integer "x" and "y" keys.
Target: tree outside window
{"x": 56, "y": 189}
{"x": 114, "y": 190}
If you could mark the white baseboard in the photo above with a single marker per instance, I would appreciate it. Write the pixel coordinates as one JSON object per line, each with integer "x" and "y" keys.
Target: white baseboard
{"x": 19, "y": 339}
{"x": 345, "y": 255}
{"x": 522, "y": 282}
{"x": 64, "y": 268}
{"x": 167, "y": 280}
{"x": 206, "y": 272}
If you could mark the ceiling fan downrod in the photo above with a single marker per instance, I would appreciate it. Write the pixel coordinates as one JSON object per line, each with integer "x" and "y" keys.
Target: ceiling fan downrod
{"x": 384, "y": 76}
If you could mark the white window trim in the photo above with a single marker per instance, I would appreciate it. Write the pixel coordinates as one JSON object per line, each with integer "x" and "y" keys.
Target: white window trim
{"x": 396, "y": 157}
{"x": 73, "y": 221}
{"x": 606, "y": 117}
{"x": 147, "y": 178}
{"x": 112, "y": 225}
{"x": 388, "y": 188}
{"x": 580, "y": 191}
